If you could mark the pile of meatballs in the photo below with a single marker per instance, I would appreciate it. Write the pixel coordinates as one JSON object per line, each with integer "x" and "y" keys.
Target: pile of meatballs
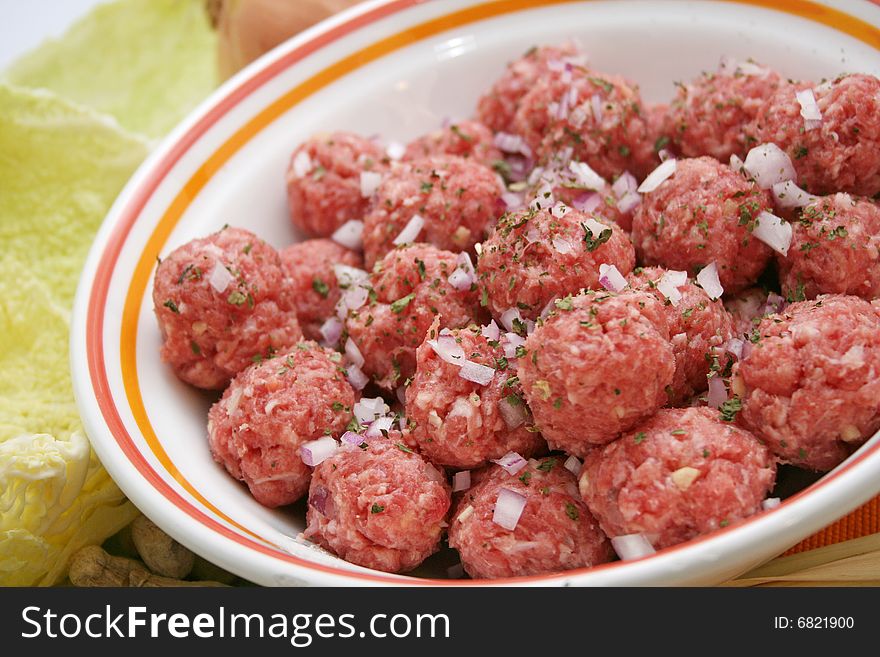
{"x": 575, "y": 325}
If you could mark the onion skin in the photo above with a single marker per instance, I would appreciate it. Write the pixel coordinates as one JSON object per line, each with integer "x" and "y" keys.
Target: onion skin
{"x": 249, "y": 28}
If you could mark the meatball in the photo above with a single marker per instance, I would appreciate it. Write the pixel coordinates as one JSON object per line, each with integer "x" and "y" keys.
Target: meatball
{"x": 810, "y": 384}
{"x": 324, "y": 181}
{"x": 378, "y": 505}
{"x": 467, "y": 139}
{"x": 554, "y": 532}
{"x": 698, "y": 327}
{"x": 410, "y": 288}
{"x": 598, "y": 365}
{"x": 598, "y": 116}
{"x": 458, "y": 201}
{"x": 681, "y": 474}
{"x": 456, "y": 422}
{"x": 705, "y": 212}
{"x": 269, "y": 410}
{"x": 311, "y": 281}
{"x": 220, "y": 304}
{"x": 660, "y": 127}
{"x": 713, "y": 115}
{"x": 497, "y": 107}
{"x": 535, "y": 256}
{"x": 842, "y": 153}
{"x": 835, "y": 248}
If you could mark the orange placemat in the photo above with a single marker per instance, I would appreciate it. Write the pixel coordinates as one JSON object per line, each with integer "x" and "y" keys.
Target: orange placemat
{"x": 861, "y": 522}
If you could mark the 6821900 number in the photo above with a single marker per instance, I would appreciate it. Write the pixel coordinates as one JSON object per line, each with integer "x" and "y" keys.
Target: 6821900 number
{"x": 825, "y": 622}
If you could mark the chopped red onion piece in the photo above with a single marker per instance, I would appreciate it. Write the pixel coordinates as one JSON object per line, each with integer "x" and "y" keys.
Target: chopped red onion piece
{"x": 632, "y": 546}
{"x": 356, "y": 377}
{"x": 491, "y": 331}
{"x": 610, "y": 278}
{"x": 448, "y": 349}
{"x": 511, "y": 463}
{"x": 626, "y": 182}
{"x": 512, "y": 341}
{"x": 476, "y": 373}
{"x": 560, "y": 210}
{"x": 547, "y": 309}
{"x": 595, "y": 227}
{"x": 369, "y": 409}
{"x": 788, "y": 195}
{"x": 512, "y": 144}
{"x": 736, "y": 163}
{"x": 317, "y": 451}
{"x": 511, "y": 200}
{"x": 331, "y": 331}
{"x": 708, "y": 280}
{"x": 460, "y": 280}
{"x": 561, "y": 245}
{"x": 669, "y": 283}
{"x": 774, "y": 232}
{"x": 411, "y": 231}
{"x": 734, "y": 346}
{"x": 352, "y": 299}
{"x": 370, "y": 181}
{"x": 587, "y": 201}
{"x": 353, "y": 353}
{"x": 508, "y": 317}
{"x": 350, "y": 235}
{"x": 352, "y": 438}
{"x": 717, "y": 392}
{"x": 665, "y": 154}
{"x": 543, "y": 197}
{"x": 461, "y": 481}
{"x": 573, "y": 465}
{"x": 586, "y": 176}
{"x": 378, "y": 426}
{"x": 532, "y": 236}
{"x": 220, "y": 278}
{"x": 596, "y": 106}
{"x": 514, "y": 415}
{"x": 771, "y": 503}
{"x": 658, "y": 176}
{"x": 628, "y": 202}
{"x": 768, "y": 164}
{"x": 775, "y": 304}
{"x": 555, "y": 65}
{"x": 809, "y": 109}
{"x": 508, "y": 508}
{"x": 395, "y": 150}
{"x": 302, "y": 164}
{"x": 318, "y": 497}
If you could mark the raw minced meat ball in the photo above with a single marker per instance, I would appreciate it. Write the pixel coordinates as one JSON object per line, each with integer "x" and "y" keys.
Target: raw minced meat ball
{"x": 497, "y": 107}
{"x": 835, "y": 249}
{"x": 841, "y": 154}
{"x": 410, "y": 290}
{"x": 324, "y": 181}
{"x": 554, "y": 532}
{"x": 659, "y": 127}
{"x": 467, "y": 139}
{"x": 598, "y": 116}
{"x": 311, "y": 282}
{"x": 704, "y": 212}
{"x": 459, "y": 423}
{"x": 220, "y": 304}
{"x": 535, "y": 256}
{"x": 811, "y": 382}
{"x": 698, "y": 328}
{"x": 457, "y": 199}
{"x": 713, "y": 115}
{"x": 269, "y": 410}
{"x": 380, "y": 505}
{"x": 597, "y": 366}
{"x": 681, "y": 474}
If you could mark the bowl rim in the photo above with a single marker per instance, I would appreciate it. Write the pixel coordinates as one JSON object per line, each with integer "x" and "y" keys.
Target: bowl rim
{"x": 150, "y": 492}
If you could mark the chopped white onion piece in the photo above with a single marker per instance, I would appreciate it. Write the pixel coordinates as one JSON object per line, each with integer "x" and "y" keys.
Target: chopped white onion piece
{"x": 628, "y": 202}
{"x": 562, "y": 245}
{"x": 560, "y": 210}
{"x": 369, "y": 409}
{"x": 664, "y": 154}
{"x": 512, "y": 144}
{"x": 379, "y": 425}
{"x": 768, "y": 164}
{"x": 317, "y": 451}
{"x": 771, "y": 503}
{"x": 220, "y": 278}
{"x": 632, "y": 546}
{"x": 809, "y": 109}
{"x": 658, "y": 176}
{"x": 331, "y": 331}
{"x": 448, "y": 350}
{"x": 736, "y": 163}
{"x": 352, "y": 299}
{"x": 573, "y": 465}
{"x": 512, "y": 341}
{"x": 788, "y": 195}
{"x": 610, "y": 278}
{"x": 352, "y": 438}
{"x": 491, "y": 331}
{"x": 596, "y": 107}
{"x": 353, "y": 354}
{"x": 356, "y": 377}
{"x": 395, "y": 150}
{"x": 774, "y": 232}
{"x": 587, "y": 202}
{"x": 514, "y": 415}
{"x": 708, "y": 280}
{"x": 511, "y": 200}
{"x": 350, "y": 235}
{"x": 476, "y": 373}
{"x": 508, "y": 317}
{"x": 460, "y": 280}
{"x": 669, "y": 283}
{"x": 626, "y": 182}
{"x": 595, "y": 227}
{"x": 370, "y": 181}
{"x": 411, "y": 231}
{"x": 717, "y": 392}
{"x": 348, "y": 276}
{"x": 302, "y": 164}
{"x": 511, "y": 462}
{"x": 461, "y": 481}
{"x": 586, "y": 176}
{"x": 508, "y": 508}
{"x": 735, "y": 346}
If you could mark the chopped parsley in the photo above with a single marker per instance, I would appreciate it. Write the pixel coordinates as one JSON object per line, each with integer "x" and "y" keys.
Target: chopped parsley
{"x": 398, "y": 306}
{"x": 571, "y": 511}
{"x": 640, "y": 437}
{"x": 376, "y": 508}
{"x": 236, "y": 298}
{"x": 461, "y": 135}
{"x": 403, "y": 448}
{"x": 170, "y": 305}
{"x": 730, "y": 408}
{"x": 547, "y": 465}
{"x": 320, "y": 287}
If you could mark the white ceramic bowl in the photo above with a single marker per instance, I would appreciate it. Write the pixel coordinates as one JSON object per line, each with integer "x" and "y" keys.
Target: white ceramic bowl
{"x": 395, "y": 68}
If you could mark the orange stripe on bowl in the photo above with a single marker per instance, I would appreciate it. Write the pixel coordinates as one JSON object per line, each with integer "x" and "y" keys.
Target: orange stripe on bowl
{"x": 134, "y": 297}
